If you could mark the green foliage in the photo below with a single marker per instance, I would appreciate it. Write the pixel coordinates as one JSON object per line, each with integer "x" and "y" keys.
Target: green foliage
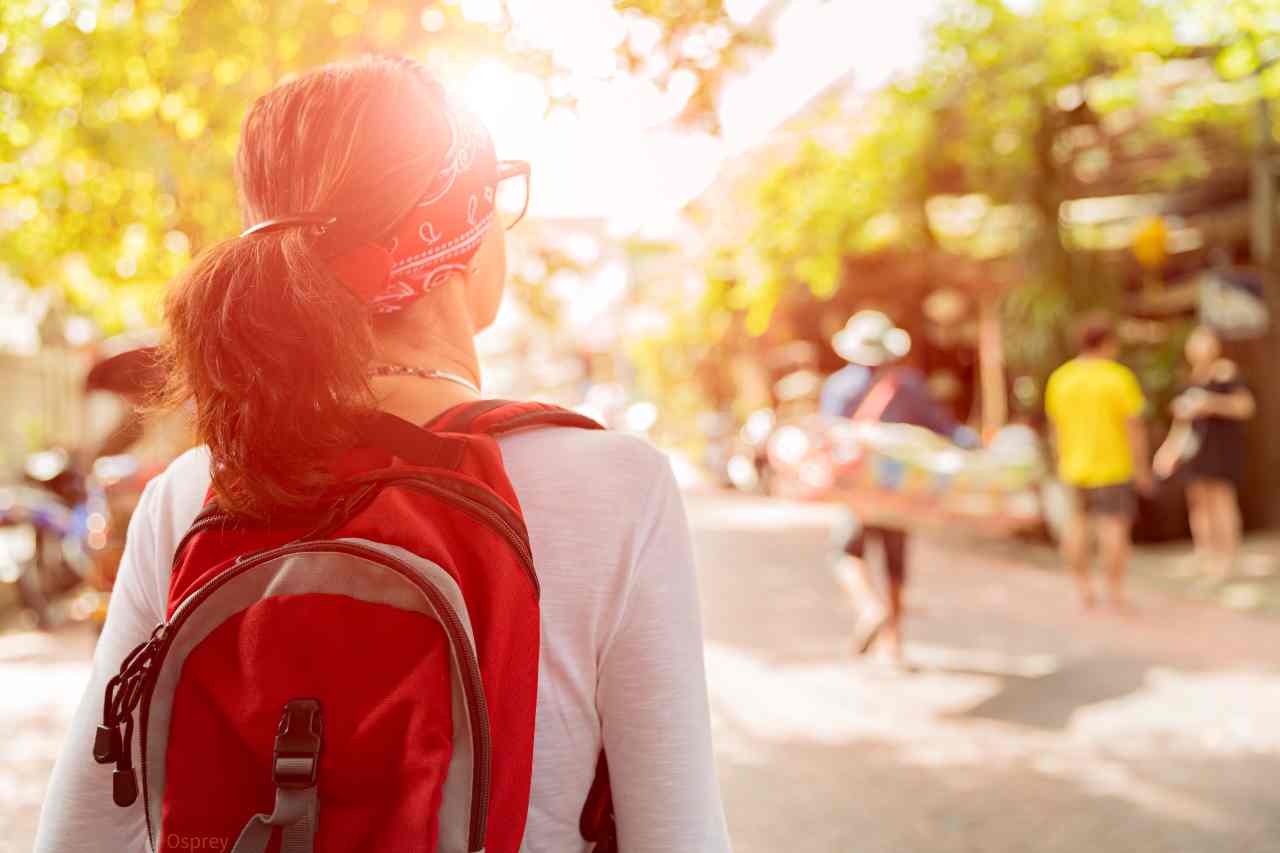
{"x": 119, "y": 119}
{"x": 826, "y": 204}
{"x": 998, "y": 108}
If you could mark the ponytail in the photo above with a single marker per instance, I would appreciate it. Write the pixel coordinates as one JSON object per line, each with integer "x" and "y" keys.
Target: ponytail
{"x": 264, "y": 339}
{"x": 273, "y": 351}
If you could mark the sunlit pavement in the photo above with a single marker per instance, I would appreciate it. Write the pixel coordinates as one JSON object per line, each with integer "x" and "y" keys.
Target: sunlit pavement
{"x": 1027, "y": 725}
{"x": 41, "y": 678}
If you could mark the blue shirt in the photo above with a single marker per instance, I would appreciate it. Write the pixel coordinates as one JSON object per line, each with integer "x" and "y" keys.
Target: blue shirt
{"x": 911, "y": 403}
{"x": 843, "y": 391}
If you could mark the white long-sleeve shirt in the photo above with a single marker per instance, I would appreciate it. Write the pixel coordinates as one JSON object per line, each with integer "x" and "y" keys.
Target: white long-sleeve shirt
{"x": 621, "y": 661}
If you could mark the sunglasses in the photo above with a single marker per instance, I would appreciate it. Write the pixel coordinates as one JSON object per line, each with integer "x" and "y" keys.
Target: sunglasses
{"x": 512, "y": 201}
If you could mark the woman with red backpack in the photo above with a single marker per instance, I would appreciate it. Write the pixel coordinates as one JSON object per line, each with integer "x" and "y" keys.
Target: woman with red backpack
{"x": 374, "y": 611}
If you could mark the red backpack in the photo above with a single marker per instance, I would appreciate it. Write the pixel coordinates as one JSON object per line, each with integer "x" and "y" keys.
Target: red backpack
{"x": 372, "y": 672}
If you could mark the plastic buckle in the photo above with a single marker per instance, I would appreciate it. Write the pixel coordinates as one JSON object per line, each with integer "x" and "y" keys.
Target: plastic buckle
{"x": 296, "y": 759}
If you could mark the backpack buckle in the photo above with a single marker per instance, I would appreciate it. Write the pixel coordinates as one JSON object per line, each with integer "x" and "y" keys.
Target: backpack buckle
{"x": 296, "y": 759}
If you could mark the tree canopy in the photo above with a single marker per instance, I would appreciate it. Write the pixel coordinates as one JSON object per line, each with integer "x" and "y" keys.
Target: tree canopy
{"x": 119, "y": 119}
{"x": 1011, "y": 113}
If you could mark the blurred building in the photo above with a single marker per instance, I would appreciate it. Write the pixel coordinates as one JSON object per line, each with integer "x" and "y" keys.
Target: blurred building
{"x": 42, "y": 368}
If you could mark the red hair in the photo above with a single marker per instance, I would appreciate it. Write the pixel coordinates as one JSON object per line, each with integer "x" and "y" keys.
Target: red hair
{"x": 263, "y": 338}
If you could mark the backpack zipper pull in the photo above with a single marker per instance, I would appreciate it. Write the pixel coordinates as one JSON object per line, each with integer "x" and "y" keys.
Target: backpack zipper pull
{"x": 123, "y": 694}
{"x": 124, "y": 781}
{"x": 106, "y": 744}
{"x": 124, "y": 787}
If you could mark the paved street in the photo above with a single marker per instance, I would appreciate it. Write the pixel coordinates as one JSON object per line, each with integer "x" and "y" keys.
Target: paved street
{"x": 1027, "y": 725}
{"x": 41, "y": 678}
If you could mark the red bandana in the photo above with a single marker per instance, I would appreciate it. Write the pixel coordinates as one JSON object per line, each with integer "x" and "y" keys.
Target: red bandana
{"x": 440, "y": 235}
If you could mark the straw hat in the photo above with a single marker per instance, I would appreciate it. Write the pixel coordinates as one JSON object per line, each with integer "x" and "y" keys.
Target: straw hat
{"x": 871, "y": 339}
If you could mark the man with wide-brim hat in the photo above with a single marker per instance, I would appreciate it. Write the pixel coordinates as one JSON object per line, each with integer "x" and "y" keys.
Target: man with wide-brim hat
{"x": 872, "y": 387}
{"x": 871, "y": 339}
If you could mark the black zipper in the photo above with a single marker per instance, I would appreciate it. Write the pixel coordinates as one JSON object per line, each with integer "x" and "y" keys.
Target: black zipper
{"x": 473, "y": 683}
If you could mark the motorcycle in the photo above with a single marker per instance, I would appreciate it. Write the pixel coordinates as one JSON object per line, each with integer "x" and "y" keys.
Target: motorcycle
{"x": 51, "y": 524}
{"x": 63, "y": 522}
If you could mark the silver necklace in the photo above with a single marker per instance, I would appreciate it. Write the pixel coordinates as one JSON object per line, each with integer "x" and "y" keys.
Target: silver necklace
{"x": 423, "y": 373}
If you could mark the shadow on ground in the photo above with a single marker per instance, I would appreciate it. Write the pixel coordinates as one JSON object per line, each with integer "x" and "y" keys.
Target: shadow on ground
{"x": 1048, "y": 701}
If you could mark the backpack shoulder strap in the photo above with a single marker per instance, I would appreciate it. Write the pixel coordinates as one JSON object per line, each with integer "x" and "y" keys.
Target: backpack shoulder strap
{"x": 877, "y": 400}
{"x": 411, "y": 442}
{"x": 500, "y": 417}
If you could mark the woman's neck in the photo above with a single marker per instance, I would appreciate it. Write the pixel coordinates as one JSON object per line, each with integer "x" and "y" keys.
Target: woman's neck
{"x": 443, "y": 340}
{"x": 416, "y": 399}
{"x": 420, "y": 398}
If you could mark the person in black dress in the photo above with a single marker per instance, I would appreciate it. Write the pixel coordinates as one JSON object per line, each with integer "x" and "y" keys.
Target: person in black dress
{"x": 1207, "y": 446}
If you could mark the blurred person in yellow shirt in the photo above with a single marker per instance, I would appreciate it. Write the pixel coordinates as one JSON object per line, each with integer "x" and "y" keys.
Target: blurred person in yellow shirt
{"x": 1096, "y": 408}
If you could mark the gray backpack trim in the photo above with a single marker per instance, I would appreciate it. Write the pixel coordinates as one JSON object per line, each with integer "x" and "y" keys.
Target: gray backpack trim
{"x": 334, "y": 573}
{"x": 296, "y": 811}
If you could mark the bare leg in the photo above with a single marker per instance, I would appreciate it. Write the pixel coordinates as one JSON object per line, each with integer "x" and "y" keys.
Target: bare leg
{"x": 893, "y": 621}
{"x": 895, "y": 559}
{"x": 1200, "y": 516}
{"x": 1075, "y": 553}
{"x": 1224, "y": 512}
{"x": 1116, "y": 544}
{"x": 854, "y": 575}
